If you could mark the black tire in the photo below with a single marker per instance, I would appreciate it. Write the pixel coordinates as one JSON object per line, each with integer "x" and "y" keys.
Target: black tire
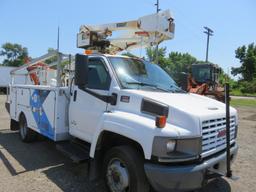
{"x": 26, "y": 134}
{"x": 14, "y": 125}
{"x": 132, "y": 162}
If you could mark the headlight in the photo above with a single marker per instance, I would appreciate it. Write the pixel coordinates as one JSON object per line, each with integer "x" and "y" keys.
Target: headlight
{"x": 173, "y": 150}
{"x": 170, "y": 146}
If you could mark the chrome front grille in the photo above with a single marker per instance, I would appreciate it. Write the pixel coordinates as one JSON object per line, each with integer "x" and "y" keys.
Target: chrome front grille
{"x": 214, "y": 134}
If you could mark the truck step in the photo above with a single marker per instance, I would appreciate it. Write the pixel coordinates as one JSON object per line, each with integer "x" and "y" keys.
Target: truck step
{"x": 75, "y": 152}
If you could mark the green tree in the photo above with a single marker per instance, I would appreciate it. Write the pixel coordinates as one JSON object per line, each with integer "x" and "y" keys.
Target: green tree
{"x": 180, "y": 62}
{"x": 247, "y": 57}
{"x": 175, "y": 62}
{"x": 129, "y": 54}
{"x": 53, "y": 58}
{"x": 15, "y": 55}
{"x": 151, "y": 55}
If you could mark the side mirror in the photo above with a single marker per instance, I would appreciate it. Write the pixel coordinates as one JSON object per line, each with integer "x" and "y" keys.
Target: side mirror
{"x": 81, "y": 70}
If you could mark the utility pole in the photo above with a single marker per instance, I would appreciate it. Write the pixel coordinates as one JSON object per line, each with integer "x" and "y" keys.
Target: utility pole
{"x": 209, "y": 33}
{"x": 156, "y": 51}
{"x": 59, "y": 70}
{"x": 58, "y": 39}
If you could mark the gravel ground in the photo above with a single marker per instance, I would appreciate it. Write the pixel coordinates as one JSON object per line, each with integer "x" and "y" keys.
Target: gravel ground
{"x": 40, "y": 167}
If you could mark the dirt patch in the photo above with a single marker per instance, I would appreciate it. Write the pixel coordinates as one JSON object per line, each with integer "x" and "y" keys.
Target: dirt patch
{"x": 251, "y": 117}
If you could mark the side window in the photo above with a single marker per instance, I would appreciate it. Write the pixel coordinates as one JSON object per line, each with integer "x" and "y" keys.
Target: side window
{"x": 98, "y": 77}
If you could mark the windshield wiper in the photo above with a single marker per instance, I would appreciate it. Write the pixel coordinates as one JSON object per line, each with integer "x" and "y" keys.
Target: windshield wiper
{"x": 147, "y": 84}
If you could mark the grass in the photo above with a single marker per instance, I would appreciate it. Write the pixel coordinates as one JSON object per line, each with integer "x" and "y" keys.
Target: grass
{"x": 237, "y": 92}
{"x": 243, "y": 102}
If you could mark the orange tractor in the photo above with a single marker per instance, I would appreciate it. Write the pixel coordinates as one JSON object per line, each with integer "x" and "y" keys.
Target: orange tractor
{"x": 203, "y": 80}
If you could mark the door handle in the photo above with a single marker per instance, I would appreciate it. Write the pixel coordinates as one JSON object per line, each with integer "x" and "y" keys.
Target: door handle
{"x": 75, "y": 93}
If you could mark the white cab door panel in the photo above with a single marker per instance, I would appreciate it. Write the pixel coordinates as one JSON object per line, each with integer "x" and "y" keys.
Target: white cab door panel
{"x": 86, "y": 110}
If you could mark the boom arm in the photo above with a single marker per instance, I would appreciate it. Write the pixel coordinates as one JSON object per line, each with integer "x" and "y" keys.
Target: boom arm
{"x": 146, "y": 31}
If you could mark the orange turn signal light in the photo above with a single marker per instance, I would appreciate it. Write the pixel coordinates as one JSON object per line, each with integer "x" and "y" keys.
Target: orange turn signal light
{"x": 160, "y": 121}
{"x": 88, "y": 52}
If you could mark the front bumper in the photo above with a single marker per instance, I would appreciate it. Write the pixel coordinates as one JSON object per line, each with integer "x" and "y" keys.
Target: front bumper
{"x": 186, "y": 177}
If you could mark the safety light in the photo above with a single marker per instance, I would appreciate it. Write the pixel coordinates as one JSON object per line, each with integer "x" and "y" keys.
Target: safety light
{"x": 160, "y": 121}
{"x": 142, "y": 33}
{"x": 88, "y": 52}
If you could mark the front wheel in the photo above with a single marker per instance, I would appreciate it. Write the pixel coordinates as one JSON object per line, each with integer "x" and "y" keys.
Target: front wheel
{"x": 124, "y": 170}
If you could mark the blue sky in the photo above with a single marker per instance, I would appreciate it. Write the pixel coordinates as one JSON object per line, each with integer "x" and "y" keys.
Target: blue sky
{"x": 34, "y": 24}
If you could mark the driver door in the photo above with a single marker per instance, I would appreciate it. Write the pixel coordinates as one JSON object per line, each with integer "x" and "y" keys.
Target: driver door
{"x": 86, "y": 110}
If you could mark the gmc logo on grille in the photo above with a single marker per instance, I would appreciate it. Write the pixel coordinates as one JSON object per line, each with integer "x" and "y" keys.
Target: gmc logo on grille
{"x": 221, "y": 133}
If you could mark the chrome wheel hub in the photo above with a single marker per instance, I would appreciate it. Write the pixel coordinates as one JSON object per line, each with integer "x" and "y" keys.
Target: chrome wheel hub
{"x": 117, "y": 176}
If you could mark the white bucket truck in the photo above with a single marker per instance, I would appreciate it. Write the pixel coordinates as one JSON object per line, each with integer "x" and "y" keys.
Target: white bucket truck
{"x": 127, "y": 116}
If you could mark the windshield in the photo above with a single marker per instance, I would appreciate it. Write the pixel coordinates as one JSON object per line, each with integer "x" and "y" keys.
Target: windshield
{"x": 135, "y": 73}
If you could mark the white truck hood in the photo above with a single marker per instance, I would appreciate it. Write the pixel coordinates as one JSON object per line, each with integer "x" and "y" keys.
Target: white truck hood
{"x": 186, "y": 110}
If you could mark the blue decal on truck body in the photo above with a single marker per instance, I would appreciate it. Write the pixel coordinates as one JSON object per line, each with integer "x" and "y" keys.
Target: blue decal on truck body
{"x": 36, "y": 102}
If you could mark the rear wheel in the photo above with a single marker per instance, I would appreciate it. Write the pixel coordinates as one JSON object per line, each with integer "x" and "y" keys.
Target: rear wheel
{"x": 123, "y": 170}
{"x": 26, "y": 134}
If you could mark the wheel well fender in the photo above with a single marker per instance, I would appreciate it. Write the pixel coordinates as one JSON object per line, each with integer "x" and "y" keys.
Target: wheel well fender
{"x": 108, "y": 139}
{"x": 21, "y": 114}
{"x": 123, "y": 127}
